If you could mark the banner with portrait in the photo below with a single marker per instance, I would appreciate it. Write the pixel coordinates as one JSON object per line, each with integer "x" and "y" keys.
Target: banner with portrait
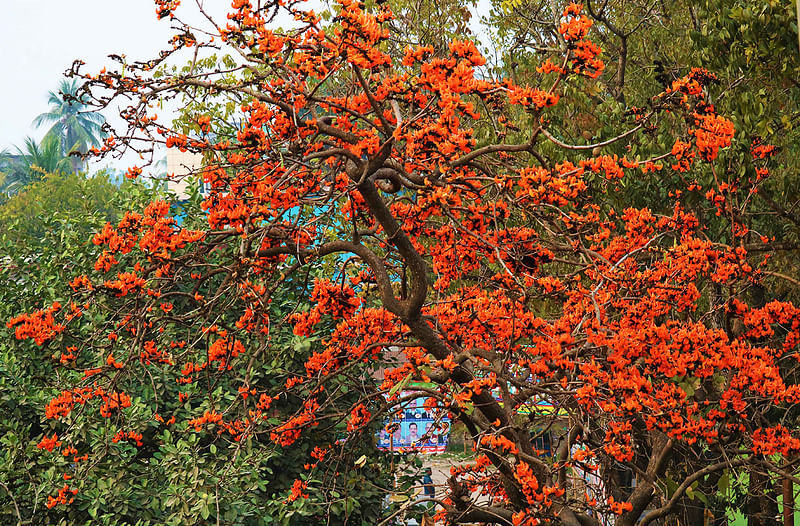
{"x": 415, "y": 429}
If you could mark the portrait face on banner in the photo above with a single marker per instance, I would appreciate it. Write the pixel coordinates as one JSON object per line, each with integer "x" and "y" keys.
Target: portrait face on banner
{"x": 383, "y": 438}
{"x": 397, "y": 438}
{"x": 413, "y": 433}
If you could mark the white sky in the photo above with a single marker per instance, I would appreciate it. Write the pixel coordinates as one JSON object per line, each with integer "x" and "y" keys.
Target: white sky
{"x": 39, "y": 39}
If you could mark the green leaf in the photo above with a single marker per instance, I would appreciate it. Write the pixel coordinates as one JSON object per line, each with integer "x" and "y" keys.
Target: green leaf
{"x": 400, "y": 385}
{"x": 724, "y": 483}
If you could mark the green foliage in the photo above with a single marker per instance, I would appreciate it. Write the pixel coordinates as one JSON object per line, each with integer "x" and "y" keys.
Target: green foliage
{"x": 30, "y": 164}
{"x": 179, "y": 476}
{"x": 421, "y": 22}
{"x": 57, "y": 202}
{"x": 44, "y": 238}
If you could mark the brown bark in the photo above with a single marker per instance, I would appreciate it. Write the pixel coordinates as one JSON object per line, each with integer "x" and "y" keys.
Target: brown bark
{"x": 761, "y": 508}
{"x": 788, "y": 502}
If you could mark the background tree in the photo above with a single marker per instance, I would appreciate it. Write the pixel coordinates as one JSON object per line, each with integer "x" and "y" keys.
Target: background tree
{"x": 75, "y": 128}
{"x": 45, "y": 234}
{"x": 31, "y": 163}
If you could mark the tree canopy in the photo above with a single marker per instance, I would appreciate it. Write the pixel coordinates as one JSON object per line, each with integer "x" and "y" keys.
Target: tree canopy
{"x": 71, "y": 125}
{"x": 30, "y": 164}
{"x": 528, "y": 251}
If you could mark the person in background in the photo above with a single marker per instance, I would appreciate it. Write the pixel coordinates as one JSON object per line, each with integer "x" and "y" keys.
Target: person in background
{"x": 427, "y": 484}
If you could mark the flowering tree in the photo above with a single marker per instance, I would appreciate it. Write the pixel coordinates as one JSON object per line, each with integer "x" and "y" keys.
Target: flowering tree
{"x": 447, "y": 221}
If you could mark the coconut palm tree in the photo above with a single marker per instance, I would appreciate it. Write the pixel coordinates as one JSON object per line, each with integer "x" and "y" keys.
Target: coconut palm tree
{"x": 31, "y": 163}
{"x": 75, "y": 128}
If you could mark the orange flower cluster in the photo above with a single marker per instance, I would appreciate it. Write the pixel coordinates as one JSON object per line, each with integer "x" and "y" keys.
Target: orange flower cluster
{"x": 352, "y": 340}
{"x": 161, "y": 236}
{"x": 131, "y": 436}
{"x": 762, "y": 151}
{"x": 337, "y": 301}
{"x": 112, "y": 401}
{"x": 151, "y": 354}
{"x": 288, "y": 433}
{"x": 684, "y": 156}
{"x": 154, "y": 232}
{"x": 62, "y": 405}
{"x": 80, "y": 283}
{"x": 158, "y": 418}
{"x": 359, "y": 416}
{"x": 49, "y": 443}
{"x": 712, "y": 133}
{"x": 40, "y": 326}
{"x": 223, "y": 351}
{"x": 500, "y": 443}
{"x": 527, "y": 96}
{"x": 66, "y": 495}
{"x": 576, "y": 27}
{"x": 164, "y": 8}
{"x": 297, "y": 491}
{"x": 209, "y": 417}
{"x": 777, "y": 439}
{"x": 529, "y": 485}
{"x": 619, "y": 507}
{"x": 126, "y": 283}
{"x": 584, "y": 52}
{"x": 609, "y": 165}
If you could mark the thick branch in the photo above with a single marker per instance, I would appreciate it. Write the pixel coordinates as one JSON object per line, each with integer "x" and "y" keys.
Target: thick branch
{"x": 697, "y": 475}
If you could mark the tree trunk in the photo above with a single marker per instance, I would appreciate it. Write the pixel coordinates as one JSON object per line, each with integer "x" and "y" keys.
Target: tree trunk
{"x": 788, "y": 502}
{"x": 761, "y": 507}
